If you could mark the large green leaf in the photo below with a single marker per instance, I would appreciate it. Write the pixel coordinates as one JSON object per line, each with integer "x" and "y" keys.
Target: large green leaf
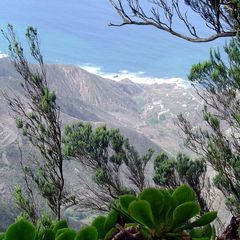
{"x": 183, "y": 194}
{"x": 184, "y": 212}
{"x": 2, "y": 235}
{"x": 125, "y": 201}
{"x": 21, "y": 230}
{"x": 206, "y": 232}
{"x": 196, "y": 233}
{"x": 203, "y": 220}
{"x": 68, "y": 234}
{"x": 111, "y": 220}
{"x": 48, "y": 234}
{"x": 111, "y": 233}
{"x": 155, "y": 198}
{"x": 60, "y": 231}
{"x": 88, "y": 233}
{"x": 141, "y": 211}
{"x": 168, "y": 207}
{"x": 99, "y": 224}
{"x": 59, "y": 225}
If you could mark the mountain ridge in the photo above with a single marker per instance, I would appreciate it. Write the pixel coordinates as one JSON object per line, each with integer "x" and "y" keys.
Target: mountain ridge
{"x": 131, "y": 107}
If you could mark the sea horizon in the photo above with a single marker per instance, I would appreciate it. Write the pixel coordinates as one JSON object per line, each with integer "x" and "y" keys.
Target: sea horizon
{"x": 138, "y": 77}
{"x": 73, "y": 33}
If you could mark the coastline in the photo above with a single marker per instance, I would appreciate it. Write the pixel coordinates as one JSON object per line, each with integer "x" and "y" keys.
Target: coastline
{"x": 3, "y": 55}
{"x": 135, "y": 77}
{"x": 138, "y": 77}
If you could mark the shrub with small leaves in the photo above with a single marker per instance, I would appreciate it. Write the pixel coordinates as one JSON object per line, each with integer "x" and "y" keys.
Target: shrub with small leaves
{"x": 19, "y": 123}
{"x": 100, "y": 176}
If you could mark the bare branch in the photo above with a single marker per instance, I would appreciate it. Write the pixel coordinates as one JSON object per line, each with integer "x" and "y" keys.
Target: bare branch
{"x": 222, "y": 18}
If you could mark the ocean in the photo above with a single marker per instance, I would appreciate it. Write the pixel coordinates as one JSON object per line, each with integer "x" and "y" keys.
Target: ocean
{"x": 77, "y": 32}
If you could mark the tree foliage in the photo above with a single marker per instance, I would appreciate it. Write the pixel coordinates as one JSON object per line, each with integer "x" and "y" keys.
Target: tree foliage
{"x": 217, "y": 82}
{"x": 172, "y": 172}
{"x": 37, "y": 115}
{"x": 221, "y": 17}
{"x": 165, "y": 172}
{"x": 109, "y": 155}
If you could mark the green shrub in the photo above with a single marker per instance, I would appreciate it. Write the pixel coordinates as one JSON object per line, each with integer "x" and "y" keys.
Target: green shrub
{"x": 152, "y": 215}
{"x": 19, "y": 123}
{"x": 165, "y": 214}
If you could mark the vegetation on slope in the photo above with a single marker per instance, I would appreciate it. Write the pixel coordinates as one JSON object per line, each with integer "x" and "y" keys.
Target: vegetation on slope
{"x": 152, "y": 215}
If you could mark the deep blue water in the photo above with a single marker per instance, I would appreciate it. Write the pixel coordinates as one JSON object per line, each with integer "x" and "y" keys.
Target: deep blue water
{"x": 77, "y": 32}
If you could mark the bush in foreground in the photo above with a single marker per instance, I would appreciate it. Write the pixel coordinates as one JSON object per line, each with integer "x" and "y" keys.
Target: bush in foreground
{"x": 153, "y": 214}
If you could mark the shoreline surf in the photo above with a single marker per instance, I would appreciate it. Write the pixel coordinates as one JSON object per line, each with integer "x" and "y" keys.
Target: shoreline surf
{"x": 135, "y": 77}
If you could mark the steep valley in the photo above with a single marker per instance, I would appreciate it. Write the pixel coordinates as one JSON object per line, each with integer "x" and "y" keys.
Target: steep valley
{"x": 144, "y": 113}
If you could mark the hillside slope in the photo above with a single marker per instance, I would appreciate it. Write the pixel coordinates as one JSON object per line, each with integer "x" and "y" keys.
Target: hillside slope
{"x": 81, "y": 96}
{"x": 144, "y": 113}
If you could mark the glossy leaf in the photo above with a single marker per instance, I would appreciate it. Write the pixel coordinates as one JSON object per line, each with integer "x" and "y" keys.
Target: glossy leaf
{"x": 202, "y": 233}
{"x": 21, "y": 230}
{"x": 203, "y": 220}
{"x": 88, "y": 233}
{"x": 184, "y": 212}
{"x": 60, "y": 231}
{"x": 59, "y": 225}
{"x": 111, "y": 220}
{"x": 110, "y": 233}
{"x": 142, "y": 212}
{"x": 125, "y": 201}
{"x": 168, "y": 207}
{"x": 99, "y": 224}
{"x": 68, "y": 234}
{"x": 156, "y": 200}
{"x": 2, "y": 236}
{"x": 183, "y": 194}
{"x": 48, "y": 235}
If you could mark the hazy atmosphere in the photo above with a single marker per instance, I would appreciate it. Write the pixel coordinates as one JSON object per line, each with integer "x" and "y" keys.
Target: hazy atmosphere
{"x": 119, "y": 120}
{"x": 79, "y": 34}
